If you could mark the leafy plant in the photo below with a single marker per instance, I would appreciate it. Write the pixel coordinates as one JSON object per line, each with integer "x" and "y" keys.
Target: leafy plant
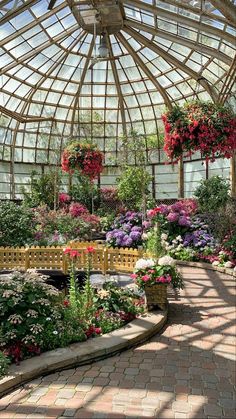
{"x": 133, "y": 185}
{"x": 16, "y": 225}
{"x": 4, "y": 364}
{"x": 43, "y": 189}
{"x": 212, "y": 194}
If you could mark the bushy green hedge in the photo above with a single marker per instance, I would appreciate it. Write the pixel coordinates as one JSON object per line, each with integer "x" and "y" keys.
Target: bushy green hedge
{"x": 16, "y": 224}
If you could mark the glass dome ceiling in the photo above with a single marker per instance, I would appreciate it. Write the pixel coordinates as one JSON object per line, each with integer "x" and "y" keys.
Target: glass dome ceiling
{"x": 159, "y": 53}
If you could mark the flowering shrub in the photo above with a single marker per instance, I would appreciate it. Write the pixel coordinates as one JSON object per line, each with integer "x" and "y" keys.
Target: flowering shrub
{"x": 83, "y": 157}
{"x": 200, "y": 126}
{"x": 152, "y": 272}
{"x": 58, "y": 227}
{"x": 76, "y": 209}
{"x": 64, "y": 198}
{"x": 126, "y": 231}
{"x": 29, "y": 310}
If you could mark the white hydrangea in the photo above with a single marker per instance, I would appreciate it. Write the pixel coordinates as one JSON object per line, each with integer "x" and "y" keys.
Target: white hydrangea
{"x": 215, "y": 263}
{"x": 228, "y": 264}
{"x": 166, "y": 260}
{"x": 144, "y": 263}
{"x": 164, "y": 236}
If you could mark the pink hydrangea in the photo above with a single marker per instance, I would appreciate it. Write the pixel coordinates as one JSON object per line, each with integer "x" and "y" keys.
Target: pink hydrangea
{"x": 76, "y": 209}
{"x": 64, "y": 198}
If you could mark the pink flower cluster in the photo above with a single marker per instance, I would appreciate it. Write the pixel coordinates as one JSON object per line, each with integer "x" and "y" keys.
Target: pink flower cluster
{"x": 200, "y": 126}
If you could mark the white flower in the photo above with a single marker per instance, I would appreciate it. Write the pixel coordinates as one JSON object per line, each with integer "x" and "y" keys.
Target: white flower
{"x": 55, "y": 332}
{"x": 228, "y": 264}
{"x": 215, "y": 263}
{"x": 235, "y": 269}
{"x": 48, "y": 319}
{"x": 164, "y": 236}
{"x": 179, "y": 238}
{"x": 166, "y": 260}
{"x": 144, "y": 263}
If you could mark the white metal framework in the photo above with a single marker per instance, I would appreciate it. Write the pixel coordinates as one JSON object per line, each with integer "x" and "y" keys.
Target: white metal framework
{"x": 160, "y": 53}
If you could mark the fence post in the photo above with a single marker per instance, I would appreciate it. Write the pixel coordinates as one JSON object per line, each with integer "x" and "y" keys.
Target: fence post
{"x": 105, "y": 261}
{"x": 27, "y": 259}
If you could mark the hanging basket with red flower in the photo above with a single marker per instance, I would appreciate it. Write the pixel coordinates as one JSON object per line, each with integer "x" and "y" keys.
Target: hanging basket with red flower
{"x": 85, "y": 158}
{"x": 200, "y": 126}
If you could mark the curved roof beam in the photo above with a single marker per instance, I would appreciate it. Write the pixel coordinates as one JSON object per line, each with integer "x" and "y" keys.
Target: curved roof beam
{"x": 15, "y": 11}
{"x": 32, "y": 24}
{"x": 143, "y": 66}
{"x": 195, "y": 10}
{"x": 180, "y": 40}
{"x": 174, "y": 17}
{"x": 118, "y": 88}
{"x": 38, "y": 49}
{"x": 170, "y": 58}
{"x": 227, "y": 9}
{"x": 77, "y": 96}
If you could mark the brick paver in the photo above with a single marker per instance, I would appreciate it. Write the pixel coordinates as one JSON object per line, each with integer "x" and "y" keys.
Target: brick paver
{"x": 187, "y": 371}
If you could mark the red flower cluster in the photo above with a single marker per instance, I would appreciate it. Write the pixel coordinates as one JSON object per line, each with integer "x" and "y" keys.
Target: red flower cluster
{"x": 83, "y": 157}
{"x": 72, "y": 253}
{"x": 200, "y": 126}
{"x": 93, "y": 331}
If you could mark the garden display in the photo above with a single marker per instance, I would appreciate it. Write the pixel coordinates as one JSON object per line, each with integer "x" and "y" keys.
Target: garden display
{"x": 36, "y": 317}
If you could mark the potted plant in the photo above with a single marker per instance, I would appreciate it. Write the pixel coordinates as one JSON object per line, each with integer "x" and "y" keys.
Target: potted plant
{"x": 153, "y": 276}
{"x": 84, "y": 157}
{"x": 200, "y": 126}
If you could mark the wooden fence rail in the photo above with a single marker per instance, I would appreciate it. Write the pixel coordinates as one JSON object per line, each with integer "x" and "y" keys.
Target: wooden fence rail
{"x": 104, "y": 259}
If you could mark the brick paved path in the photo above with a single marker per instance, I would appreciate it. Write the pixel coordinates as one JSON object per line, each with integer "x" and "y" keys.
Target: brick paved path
{"x": 187, "y": 371}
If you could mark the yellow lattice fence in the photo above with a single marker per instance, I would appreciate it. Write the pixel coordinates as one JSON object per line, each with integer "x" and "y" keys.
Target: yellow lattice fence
{"x": 52, "y": 258}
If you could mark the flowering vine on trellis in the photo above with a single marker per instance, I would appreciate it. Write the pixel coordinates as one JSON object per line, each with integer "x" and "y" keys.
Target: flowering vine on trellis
{"x": 200, "y": 126}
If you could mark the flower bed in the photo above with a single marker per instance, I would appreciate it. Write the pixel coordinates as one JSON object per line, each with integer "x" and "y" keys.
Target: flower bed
{"x": 34, "y": 316}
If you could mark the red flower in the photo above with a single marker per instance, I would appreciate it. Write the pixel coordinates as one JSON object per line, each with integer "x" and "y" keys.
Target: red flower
{"x": 72, "y": 253}
{"x": 90, "y": 249}
{"x": 66, "y": 303}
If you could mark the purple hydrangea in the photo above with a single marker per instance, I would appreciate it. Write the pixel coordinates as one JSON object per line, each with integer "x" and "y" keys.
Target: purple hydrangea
{"x": 172, "y": 217}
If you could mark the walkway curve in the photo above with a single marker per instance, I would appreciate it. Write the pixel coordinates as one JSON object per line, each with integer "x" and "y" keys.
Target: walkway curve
{"x": 187, "y": 371}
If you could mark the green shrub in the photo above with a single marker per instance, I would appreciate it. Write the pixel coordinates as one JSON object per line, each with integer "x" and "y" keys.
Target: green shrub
{"x": 16, "y": 225}
{"x": 133, "y": 186}
{"x": 4, "y": 363}
{"x": 212, "y": 194}
{"x": 43, "y": 189}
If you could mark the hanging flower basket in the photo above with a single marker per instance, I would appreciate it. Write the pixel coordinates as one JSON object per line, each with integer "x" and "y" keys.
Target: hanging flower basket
{"x": 156, "y": 296}
{"x": 85, "y": 158}
{"x": 200, "y": 126}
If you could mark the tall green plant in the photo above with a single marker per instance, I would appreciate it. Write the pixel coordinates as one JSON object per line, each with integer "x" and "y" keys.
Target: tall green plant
{"x": 43, "y": 189}
{"x": 16, "y": 225}
{"x": 212, "y": 194}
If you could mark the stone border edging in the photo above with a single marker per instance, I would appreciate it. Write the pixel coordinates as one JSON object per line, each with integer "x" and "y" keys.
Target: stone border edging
{"x": 208, "y": 266}
{"x": 82, "y": 353}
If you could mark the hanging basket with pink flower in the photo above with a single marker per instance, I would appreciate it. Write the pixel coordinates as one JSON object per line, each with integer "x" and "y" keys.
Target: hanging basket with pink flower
{"x": 200, "y": 126}
{"x": 85, "y": 158}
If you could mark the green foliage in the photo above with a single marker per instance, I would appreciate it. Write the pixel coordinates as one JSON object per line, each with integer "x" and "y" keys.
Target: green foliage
{"x": 84, "y": 191}
{"x": 43, "y": 189}
{"x": 212, "y": 194}
{"x": 4, "y": 364}
{"x": 133, "y": 185}
{"x": 16, "y": 225}
{"x": 153, "y": 243}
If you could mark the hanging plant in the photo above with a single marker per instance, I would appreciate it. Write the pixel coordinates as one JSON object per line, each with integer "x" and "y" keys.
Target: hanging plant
{"x": 200, "y": 126}
{"x": 85, "y": 158}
